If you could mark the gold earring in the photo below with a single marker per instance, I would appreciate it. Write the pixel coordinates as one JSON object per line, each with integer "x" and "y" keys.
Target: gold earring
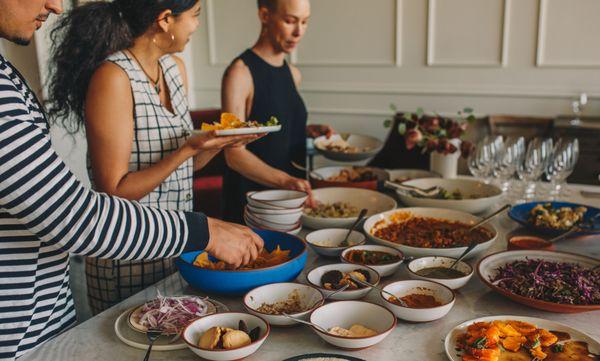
{"x": 166, "y": 47}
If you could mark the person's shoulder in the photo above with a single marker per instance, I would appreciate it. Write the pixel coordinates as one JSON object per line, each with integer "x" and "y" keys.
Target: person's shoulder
{"x": 238, "y": 72}
{"x": 296, "y": 74}
{"x": 110, "y": 73}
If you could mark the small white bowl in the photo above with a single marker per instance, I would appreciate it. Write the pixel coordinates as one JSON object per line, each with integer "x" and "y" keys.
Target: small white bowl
{"x": 273, "y": 225}
{"x": 404, "y": 288}
{"x": 285, "y": 218}
{"x": 347, "y": 313}
{"x": 373, "y": 201}
{"x": 314, "y": 279}
{"x": 276, "y": 292}
{"x": 261, "y": 210}
{"x": 429, "y": 262}
{"x": 291, "y": 229}
{"x": 326, "y": 241}
{"x": 277, "y": 199}
{"x": 384, "y": 270}
{"x": 192, "y": 333}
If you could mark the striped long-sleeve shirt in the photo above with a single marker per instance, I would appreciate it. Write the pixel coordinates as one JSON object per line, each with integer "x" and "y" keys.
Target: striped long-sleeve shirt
{"x": 46, "y": 213}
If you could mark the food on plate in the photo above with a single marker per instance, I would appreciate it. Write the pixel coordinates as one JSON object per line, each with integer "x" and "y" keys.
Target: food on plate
{"x": 440, "y": 273}
{"x": 558, "y": 282}
{"x": 426, "y": 232}
{"x": 416, "y": 300}
{"x": 332, "y": 210}
{"x": 558, "y": 218}
{"x": 292, "y": 304}
{"x": 334, "y": 280}
{"x": 455, "y": 195}
{"x": 170, "y": 314}
{"x": 265, "y": 259}
{"x": 225, "y": 338}
{"x": 231, "y": 121}
{"x": 518, "y": 340}
{"x": 356, "y": 330}
{"x": 370, "y": 258}
{"x": 356, "y": 174}
{"x": 339, "y": 145}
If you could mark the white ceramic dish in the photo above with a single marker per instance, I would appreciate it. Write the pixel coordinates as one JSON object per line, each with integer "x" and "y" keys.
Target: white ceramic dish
{"x": 276, "y": 199}
{"x": 384, "y": 270}
{"x": 488, "y": 195}
{"x": 243, "y": 131}
{"x": 293, "y": 229}
{"x": 347, "y": 313}
{"x": 192, "y": 333}
{"x": 441, "y": 293}
{"x": 371, "y": 145}
{"x": 276, "y": 292}
{"x": 430, "y": 262}
{"x": 375, "y": 202}
{"x": 448, "y": 214}
{"x": 450, "y": 341}
{"x": 314, "y": 279}
{"x": 292, "y": 221}
{"x": 403, "y": 175}
{"x": 326, "y": 242}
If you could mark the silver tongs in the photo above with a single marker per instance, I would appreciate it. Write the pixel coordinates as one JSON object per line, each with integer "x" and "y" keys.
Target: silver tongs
{"x": 411, "y": 190}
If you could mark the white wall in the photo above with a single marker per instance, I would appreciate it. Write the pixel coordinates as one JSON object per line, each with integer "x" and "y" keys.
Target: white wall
{"x": 528, "y": 57}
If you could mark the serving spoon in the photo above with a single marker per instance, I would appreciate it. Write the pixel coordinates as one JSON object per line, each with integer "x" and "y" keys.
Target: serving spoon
{"x": 427, "y": 192}
{"x": 305, "y": 322}
{"x": 360, "y": 217}
{"x": 581, "y": 227}
{"x": 365, "y": 283}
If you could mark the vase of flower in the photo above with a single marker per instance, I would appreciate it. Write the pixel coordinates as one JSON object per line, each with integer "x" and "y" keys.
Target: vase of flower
{"x": 438, "y": 136}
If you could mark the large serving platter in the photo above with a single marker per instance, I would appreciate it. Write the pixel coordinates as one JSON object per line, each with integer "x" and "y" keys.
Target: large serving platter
{"x": 521, "y": 214}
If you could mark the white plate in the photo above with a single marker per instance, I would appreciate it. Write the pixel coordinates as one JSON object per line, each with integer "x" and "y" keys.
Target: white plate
{"x": 375, "y": 202}
{"x": 490, "y": 194}
{"x": 450, "y": 341}
{"x": 242, "y": 131}
{"x": 137, "y": 339}
{"x": 438, "y": 213}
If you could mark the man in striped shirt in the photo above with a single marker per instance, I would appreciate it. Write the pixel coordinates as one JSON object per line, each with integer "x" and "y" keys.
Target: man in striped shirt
{"x": 45, "y": 213}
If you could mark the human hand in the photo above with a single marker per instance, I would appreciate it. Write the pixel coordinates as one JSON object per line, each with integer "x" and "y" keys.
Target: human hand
{"x": 211, "y": 141}
{"x": 297, "y": 184}
{"x": 232, "y": 243}
{"x": 317, "y": 130}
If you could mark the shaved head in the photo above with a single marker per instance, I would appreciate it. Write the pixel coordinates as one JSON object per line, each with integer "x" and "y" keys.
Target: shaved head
{"x": 269, "y": 4}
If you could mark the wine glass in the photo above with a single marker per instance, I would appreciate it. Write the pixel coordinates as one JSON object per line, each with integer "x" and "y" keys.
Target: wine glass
{"x": 509, "y": 157}
{"x": 539, "y": 152}
{"x": 481, "y": 159}
{"x": 565, "y": 155}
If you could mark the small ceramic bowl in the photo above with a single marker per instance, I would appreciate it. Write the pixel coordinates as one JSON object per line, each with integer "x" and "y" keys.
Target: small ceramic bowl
{"x": 384, "y": 270}
{"x": 326, "y": 242}
{"x": 270, "y": 224}
{"x": 276, "y": 292}
{"x": 192, "y": 333}
{"x": 430, "y": 262}
{"x": 347, "y": 313}
{"x": 314, "y": 279}
{"x": 276, "y": 199}
{"x": 277, "y": 219}
{"x": 442, "y": 294}
{"x": 528, "y": 242}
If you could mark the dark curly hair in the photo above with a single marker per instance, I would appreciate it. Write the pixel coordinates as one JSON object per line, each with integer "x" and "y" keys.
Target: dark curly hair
{"x": 84, "y": 38}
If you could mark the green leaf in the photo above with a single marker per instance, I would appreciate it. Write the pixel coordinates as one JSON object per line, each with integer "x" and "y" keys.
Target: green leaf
{"x": 393, "y": 107}
{"x": 387, "y": 123}
{"x": 401, "y": 128}
{"x": 471, "y": 118}
{"x": 407, "y": 116}
{"x": 468, "y": 110}
{"x": 420, "y": 112}
{"x": 442, "y": 133}
{"x": 479, "y": 343}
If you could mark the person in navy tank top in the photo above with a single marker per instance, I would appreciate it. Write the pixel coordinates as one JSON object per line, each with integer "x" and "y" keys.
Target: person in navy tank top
{"x": 259, "y": 84}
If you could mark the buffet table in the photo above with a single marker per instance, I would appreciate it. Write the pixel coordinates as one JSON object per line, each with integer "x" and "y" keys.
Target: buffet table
{"x": 95, "y": 339}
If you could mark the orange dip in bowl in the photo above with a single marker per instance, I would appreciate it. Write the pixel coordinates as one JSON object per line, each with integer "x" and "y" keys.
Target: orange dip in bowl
{"x": 528, "y": 242}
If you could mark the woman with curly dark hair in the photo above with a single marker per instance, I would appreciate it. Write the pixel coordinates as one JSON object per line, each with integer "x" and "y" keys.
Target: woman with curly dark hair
{"x": 113, "y": 71}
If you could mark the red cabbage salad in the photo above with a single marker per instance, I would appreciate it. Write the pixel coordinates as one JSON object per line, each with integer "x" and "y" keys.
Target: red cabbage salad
{"x": 557, "y": 282}
{"x": 172, "y": 314}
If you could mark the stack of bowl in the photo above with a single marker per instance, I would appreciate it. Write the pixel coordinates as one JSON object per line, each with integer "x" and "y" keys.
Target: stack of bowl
{"x": 275, "y": 210}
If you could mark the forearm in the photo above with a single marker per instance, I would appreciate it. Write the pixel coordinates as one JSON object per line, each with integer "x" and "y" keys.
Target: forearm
{"x": 202, "y": 159}
{"x": 136, "y": 185}
{"x": 250, "y": 166}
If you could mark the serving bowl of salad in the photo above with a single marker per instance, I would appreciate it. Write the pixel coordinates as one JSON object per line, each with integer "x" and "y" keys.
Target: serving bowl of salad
{"x": 554, "y": 218}
{"x": 464, "y": 195}
{"x": 547, "y": 280}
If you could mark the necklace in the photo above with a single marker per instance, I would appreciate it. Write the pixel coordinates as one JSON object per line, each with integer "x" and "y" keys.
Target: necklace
{"x": 155, "y": 83}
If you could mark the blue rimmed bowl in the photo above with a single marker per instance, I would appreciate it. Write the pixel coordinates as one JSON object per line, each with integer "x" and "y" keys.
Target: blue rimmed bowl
{"x": 239, "y": 282}
{"x": 521, "y": 214}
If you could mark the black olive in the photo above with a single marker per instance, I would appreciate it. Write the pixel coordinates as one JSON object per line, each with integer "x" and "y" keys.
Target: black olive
{"x": 364, "y": 273}
{"x": 255, "y": 334}
{"x": 332, "y": 277}
{"x": 242, "y": 326}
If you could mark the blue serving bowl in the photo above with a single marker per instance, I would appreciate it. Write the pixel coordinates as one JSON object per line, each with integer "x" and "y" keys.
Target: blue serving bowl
{"x": 232, "y": 282}
{"x": 521, "y": 212}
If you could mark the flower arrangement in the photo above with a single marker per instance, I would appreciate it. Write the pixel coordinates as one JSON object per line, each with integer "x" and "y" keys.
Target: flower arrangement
{"x": 433, "y": 133}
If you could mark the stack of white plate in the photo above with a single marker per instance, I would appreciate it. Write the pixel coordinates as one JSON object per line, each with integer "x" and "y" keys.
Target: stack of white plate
{"x": 275, "y": 210}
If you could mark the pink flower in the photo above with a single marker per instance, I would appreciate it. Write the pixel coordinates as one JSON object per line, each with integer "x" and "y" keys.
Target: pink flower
{"x": 413, "y": 137}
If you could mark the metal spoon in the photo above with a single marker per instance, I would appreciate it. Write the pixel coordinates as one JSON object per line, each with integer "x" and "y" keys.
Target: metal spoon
{"x": 589, "y": 223}
{"x": 152, "y": 335}
{"x": 428, "y": 192}
{"x": 311, "y": 173}
{"x": 360, "y": 217}
{"x": 473, "y": 243}
{"x": 330, "y": 295}
{"x": 364, "y": 283}
{"x": 305, "y": 322}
